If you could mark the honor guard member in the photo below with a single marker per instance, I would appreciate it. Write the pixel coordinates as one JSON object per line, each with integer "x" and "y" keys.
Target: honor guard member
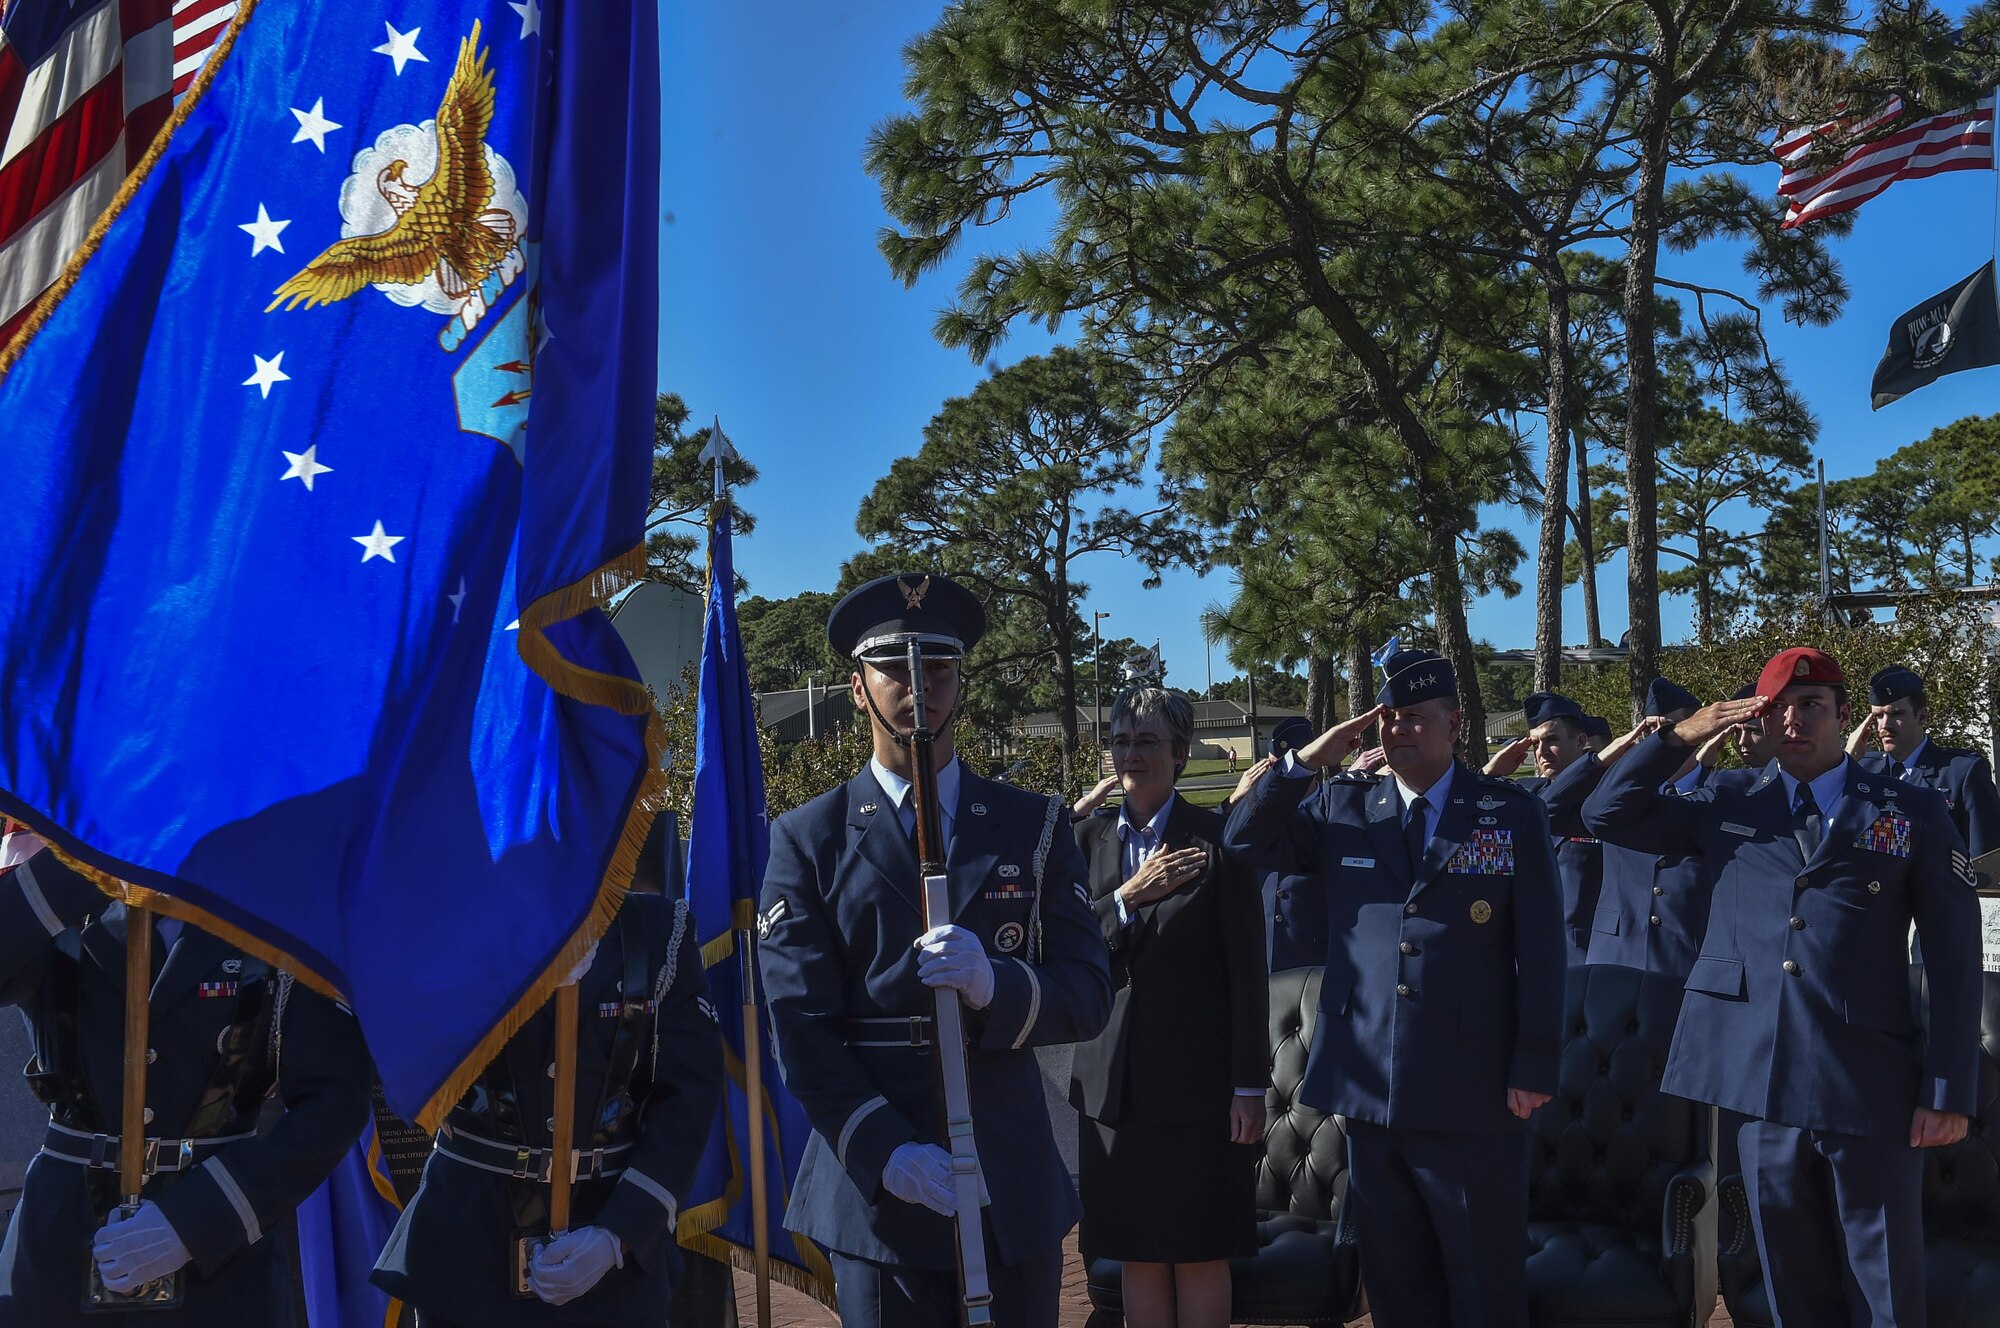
{"x": 1442, "y": 999}
{"x": 226, "y": 1031}
{"x": 1798, "y": 1009}
{"x": 1296, "y": 908}
{"x": 848, "y": 973}
{"x": 1899, "y": 718}
{"x": 1563, "y": 775}
{"x": 474, "y": 1249}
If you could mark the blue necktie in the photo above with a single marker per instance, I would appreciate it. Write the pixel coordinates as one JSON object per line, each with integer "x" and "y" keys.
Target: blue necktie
{"x": 1896, "y": 770}
{"x": 1806, "y": 821}
{"x": 1416, "y": 833}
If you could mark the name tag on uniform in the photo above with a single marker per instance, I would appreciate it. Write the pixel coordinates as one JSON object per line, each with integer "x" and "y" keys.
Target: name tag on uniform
{"x": 1731, "y": 828}
{"x": 1890, "y": 834}
{"x": 1487, "y": 853}
{"x": 1357, "y": 862}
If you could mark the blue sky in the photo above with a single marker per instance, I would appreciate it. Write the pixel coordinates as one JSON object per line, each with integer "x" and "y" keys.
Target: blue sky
{"x": 779, "y": 315}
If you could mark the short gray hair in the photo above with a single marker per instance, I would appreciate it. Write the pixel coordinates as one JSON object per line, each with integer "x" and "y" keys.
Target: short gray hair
{"x": 1140, "y": 704}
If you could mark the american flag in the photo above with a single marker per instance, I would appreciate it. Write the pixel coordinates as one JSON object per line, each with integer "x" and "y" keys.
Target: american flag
{"x": 1955, "y": 141}
{"x": 84, "y": 87}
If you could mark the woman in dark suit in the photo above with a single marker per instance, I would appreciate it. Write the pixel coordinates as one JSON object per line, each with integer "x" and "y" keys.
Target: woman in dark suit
{"x": 1172, "y": 1091}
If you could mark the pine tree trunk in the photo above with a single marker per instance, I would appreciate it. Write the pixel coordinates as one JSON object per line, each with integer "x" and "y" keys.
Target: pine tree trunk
{"x": 1360, "y": 677}
{"x": 1642, "y": 545}
{"x": 1586, "y": 543}
{"x": 1556, "y": 357}
{"x": 1454, "y": 637}
{"x": 1319, "y": 691}
{"x": 1058, "y": 609}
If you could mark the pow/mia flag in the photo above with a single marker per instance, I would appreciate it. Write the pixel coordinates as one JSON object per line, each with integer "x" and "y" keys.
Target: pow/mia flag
{"x": 1955, "y": 329}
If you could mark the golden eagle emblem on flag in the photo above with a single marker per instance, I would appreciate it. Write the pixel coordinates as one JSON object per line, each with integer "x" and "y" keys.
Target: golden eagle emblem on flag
{"x": 445, "y": 241}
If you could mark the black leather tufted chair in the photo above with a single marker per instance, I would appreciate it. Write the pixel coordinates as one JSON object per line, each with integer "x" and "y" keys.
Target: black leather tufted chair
{"x": 1620, "y": 1227}
{"x": 1961, "y": 1214}
{"x": 1307, "y": 1268}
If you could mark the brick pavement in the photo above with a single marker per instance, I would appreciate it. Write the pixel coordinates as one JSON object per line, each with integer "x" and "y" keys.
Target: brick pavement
{"x": 793, "y": 1309}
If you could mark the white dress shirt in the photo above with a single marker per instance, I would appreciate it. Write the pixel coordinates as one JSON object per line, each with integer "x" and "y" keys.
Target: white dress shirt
{"x": 898, "y": 790}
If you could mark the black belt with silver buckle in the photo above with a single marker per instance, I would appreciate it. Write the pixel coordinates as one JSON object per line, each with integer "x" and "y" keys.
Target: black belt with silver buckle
{"x": 525, "y": 1163}
{"x": 100, "y": 1152}
{"x": 889, "y": 1031}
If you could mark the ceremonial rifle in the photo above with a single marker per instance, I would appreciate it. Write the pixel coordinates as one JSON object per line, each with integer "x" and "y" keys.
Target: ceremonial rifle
{"x": 975, "y": 1295}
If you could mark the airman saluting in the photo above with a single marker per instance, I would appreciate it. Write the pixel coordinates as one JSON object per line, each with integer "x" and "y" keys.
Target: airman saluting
{"x": 1798, "y": 1009}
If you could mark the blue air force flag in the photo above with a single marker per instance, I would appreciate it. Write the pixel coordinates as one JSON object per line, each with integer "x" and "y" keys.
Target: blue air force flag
{"x": 729, "y": 842}
{"x": 320, "y": 456}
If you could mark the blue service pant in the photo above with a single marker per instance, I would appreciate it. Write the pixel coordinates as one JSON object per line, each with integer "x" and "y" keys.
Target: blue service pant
{"x": 1840, "y": 1225}
{"x": 1445, "y": 1217}
{"x": 875, "y": 1295}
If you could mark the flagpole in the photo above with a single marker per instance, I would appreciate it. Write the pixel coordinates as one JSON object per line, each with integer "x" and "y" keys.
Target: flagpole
{"x": 562, "y": 1137}
{"x": 753, "y": 1042}
{"x": 753, "y": 1087}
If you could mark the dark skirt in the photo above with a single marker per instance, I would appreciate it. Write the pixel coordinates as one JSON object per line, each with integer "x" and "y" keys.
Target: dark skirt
{"x": 1166, "y": 1193}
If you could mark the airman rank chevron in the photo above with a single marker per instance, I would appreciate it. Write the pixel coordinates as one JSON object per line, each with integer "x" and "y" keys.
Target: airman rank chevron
{"x": 706, "y": 1008}
{"x": 1889, "y": 834}
{"x": 211, "y": 990}
{"x": 770, "y": 918}
{"x": 1082, "y": 893}
{"x": 1486, "y": 853}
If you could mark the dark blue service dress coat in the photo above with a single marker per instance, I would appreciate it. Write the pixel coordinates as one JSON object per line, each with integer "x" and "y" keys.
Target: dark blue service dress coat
{"x": 1965, "y": 778}
{"x": 841, "y": 909}
{"x": 1444, "y": 987}
{"x": 1652, "y": 909}
{"x": 62, "y": 961}
{"x": 646, "y": 1095}
{"x": 1798, "y": 1006}
{"x": 1579, "y": 855}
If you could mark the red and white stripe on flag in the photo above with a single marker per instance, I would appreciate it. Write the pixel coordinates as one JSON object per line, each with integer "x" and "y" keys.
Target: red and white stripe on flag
{"x": 83, "y": 90}
{"x": 1955, "y": 141}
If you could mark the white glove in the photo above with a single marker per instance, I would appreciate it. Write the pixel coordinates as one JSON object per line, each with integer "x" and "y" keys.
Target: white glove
{"x": 17, "y": 846}
{"x": 921, "y": 1174}
{"x": 582, "y": 966}
{"x": 573, "y": 1263}
{"x": 953, "y": 957}
{"x": 133, "y": 1251}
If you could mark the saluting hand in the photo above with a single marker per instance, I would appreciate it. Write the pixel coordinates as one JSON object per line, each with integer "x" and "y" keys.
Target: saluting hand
{"x": 1368, "y": 762}
{"x": 1094, "y": 799}
{"x": 1337, "y": 743}
{"x": 1934, "y": 1129}
{"x": 1508, "y": 759}
{"x": 1250, "y": 777}
{"x": 1161, "y": 875}
{"x": 1710, "y": 754}
{"x": 1705, "y": 723}
{"x": 1625, "y": 742}
{"x": 1522, "y": 1102}
{"x": 1857, "y": 743}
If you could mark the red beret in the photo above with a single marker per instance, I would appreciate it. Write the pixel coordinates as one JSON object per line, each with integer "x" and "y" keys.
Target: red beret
{"x": 1800, "y": 664}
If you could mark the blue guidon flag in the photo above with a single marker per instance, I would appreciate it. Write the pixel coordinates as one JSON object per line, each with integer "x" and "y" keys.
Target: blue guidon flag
{"x": 729, "y": 843}
{"x": 320, "y": 456}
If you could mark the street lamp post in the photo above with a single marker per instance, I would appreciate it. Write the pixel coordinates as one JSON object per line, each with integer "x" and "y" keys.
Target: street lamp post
{"x": 1097, "y": 686}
